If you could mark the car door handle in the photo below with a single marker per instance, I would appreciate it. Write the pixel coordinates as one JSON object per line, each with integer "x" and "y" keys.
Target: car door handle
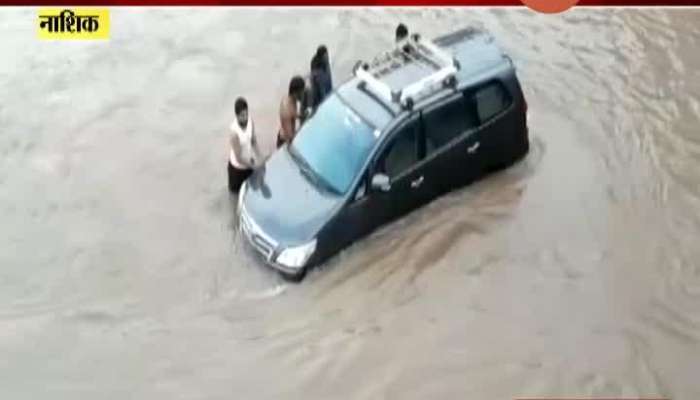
{"x": 473, "y": 148}
{"x": 417, "y": 182}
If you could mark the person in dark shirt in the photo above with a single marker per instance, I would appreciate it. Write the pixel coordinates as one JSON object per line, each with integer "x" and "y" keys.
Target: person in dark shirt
{"x": 401, "y": 33}
{"x": 321, "y": 78}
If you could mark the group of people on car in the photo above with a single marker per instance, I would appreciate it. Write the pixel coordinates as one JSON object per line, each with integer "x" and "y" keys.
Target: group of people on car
{"x": 302, "y": 99}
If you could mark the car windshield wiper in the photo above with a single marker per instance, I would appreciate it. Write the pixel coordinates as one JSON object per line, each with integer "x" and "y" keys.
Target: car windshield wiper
{"x": 309, "y": 172}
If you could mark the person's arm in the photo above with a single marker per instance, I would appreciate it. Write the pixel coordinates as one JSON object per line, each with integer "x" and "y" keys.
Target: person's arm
{"x": 296, "y": 116}
{"x": 326, "y": 85}
{"x": 236, "y": 146}
{"x": 253, "y": 137}
{"x": 254, "y": 145}
{"x": 319, "y": 90}
{"x": 307, "y": 104}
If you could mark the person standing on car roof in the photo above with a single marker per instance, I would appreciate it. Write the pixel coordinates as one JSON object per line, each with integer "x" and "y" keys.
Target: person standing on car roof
{"x": 400, "y": 39}
{"x": 321, "y": 78}
{"x": 244, "y": 152}
{"x": 403, "y": 48}
{"x": 289, "y": 110}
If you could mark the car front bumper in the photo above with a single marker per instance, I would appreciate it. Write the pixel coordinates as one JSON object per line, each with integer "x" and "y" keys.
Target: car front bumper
{"x": 262, "y": 244}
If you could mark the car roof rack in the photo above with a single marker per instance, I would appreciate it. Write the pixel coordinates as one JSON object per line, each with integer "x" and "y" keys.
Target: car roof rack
{"x": 411, "y": 49}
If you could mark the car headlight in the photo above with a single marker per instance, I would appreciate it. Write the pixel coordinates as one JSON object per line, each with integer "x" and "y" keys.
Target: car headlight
{"x": 296, "y": 257}
{"x": 241, "y": 194}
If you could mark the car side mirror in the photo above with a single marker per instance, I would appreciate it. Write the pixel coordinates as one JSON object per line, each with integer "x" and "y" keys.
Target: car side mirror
{"x": 381, "y": 182}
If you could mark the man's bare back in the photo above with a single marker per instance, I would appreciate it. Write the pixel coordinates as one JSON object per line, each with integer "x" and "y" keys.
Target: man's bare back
{"x": 288, "y": 110}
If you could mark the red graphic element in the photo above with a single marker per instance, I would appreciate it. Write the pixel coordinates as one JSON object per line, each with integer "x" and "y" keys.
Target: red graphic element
{"x": 104, "y": 3}
{"x": 550, "y": 6}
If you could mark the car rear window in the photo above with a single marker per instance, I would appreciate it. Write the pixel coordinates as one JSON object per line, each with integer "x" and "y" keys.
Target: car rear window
{"x": 491, "y": 100}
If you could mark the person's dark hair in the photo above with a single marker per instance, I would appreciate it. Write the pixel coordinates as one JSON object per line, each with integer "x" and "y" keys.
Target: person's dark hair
{"x": 317, "y": 62}
{"x": 296, "y": 85}
{"x": 401, "y": 31}
{"x": 240, "y": 105}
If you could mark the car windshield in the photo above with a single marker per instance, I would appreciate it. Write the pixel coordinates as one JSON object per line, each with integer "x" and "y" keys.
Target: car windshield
{"x": 333, "y": 144}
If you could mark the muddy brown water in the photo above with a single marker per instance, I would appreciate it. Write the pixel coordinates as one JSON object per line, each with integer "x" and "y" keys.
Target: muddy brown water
{"x": 574, "y": 273}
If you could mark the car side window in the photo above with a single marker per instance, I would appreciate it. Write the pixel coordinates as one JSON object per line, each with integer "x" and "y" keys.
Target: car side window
{"x": 448, "y": 121}
{"x": 402, "y": 152}
{"x": 490, "y": 101}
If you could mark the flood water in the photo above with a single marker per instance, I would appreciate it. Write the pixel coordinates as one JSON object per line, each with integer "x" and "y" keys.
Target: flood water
{"x": 574, "y": 273}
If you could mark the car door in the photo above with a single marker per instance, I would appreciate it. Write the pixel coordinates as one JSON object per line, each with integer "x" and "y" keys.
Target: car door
{"x": 496, "y": 125}
{"x": 401, "y": 160}
{"x": 363, "y": 212}
{"x": 369, "y": 208}
{"x": 453, "y": 156}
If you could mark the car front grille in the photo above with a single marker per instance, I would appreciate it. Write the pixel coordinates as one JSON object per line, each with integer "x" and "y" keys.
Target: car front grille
{"x": 256, "y": 237}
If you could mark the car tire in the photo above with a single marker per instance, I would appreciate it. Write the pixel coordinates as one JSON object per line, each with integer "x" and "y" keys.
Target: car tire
{"x": 294, "y": 278}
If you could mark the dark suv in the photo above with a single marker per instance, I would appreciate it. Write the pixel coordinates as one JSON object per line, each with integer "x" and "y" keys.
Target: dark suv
{"x": 427, "y": 118}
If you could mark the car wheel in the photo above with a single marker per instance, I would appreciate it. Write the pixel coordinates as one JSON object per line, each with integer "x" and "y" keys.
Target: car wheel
{"x": 294, "y": 278}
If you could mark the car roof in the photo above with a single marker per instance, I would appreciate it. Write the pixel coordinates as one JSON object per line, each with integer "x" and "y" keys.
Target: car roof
{"x": 475, "y": 50}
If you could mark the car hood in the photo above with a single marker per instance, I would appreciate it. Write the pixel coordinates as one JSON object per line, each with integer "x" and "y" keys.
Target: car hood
{"x": 284, "y": 203}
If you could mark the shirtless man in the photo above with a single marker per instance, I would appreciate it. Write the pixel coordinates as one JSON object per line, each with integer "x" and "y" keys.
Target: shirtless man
{"x": 288, "y": 110}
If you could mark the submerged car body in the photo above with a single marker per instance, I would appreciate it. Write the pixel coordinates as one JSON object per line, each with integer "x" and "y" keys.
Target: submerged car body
{"x": 362, "y": 161}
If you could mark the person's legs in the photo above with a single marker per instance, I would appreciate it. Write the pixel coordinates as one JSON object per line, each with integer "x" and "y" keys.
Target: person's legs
{"x": 236, "y": 177}
{"x": 231, "y": 177}
{"x": 246, "y": 174}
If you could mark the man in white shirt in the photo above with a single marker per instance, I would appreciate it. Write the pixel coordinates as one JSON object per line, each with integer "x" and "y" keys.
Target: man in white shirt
{"x": 244, "y": 153}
